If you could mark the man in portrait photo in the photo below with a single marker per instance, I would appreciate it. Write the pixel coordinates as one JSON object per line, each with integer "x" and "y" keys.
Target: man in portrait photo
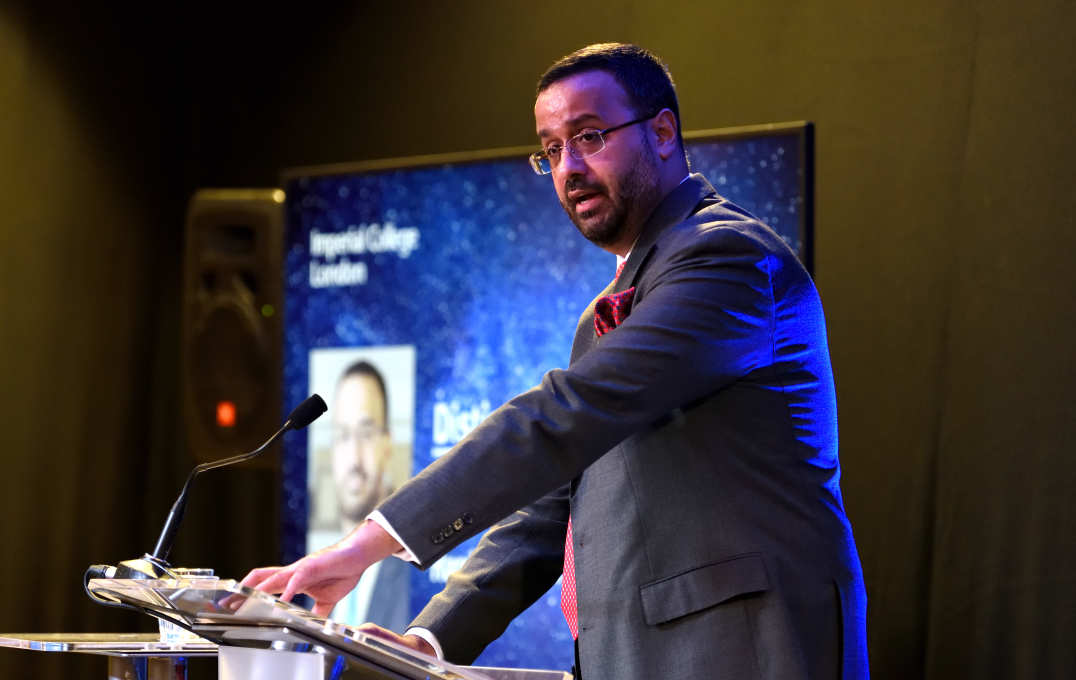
{"x": 364, "y": 466}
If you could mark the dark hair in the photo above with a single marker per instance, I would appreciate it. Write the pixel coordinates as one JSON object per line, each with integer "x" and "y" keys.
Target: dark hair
{"x": 365, "y": 368}
{"x": 644, "y": 77}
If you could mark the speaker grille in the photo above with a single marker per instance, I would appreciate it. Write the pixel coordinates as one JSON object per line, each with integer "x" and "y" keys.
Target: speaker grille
{"x": 232, "y": 356}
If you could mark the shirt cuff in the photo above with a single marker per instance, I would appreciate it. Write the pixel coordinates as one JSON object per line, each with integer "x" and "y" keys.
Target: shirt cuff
{"x": 404, "y": 553}
{"x": 429, "y": 637}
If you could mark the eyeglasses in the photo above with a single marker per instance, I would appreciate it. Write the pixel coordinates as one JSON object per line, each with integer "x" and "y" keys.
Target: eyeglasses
{"x": 361, "y": 433}
{"x": 586, "y": 143}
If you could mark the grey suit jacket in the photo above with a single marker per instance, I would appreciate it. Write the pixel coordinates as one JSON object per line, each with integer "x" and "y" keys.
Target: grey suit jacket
{"x": 695, "y": 447}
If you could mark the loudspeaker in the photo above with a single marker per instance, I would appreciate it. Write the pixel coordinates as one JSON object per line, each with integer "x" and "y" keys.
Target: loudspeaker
{"x": 232, "y": 360}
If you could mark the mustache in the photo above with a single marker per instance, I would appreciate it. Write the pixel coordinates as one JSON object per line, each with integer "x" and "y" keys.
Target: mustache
{"x": 574, "y": 184}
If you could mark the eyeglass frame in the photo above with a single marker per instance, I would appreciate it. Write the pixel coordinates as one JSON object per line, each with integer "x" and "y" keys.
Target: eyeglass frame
{"x": 537, "y": 157}
{"x": 363, "y": 433}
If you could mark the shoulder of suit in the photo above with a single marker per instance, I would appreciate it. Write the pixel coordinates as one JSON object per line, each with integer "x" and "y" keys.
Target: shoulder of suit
{"x": 719, "y": 219}
{"x": 720, "y": 231}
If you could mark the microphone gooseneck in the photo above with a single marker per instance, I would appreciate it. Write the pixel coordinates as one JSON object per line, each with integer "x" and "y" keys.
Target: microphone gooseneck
{"x": 303, "y": 414}
{"x": 155, "y": 566}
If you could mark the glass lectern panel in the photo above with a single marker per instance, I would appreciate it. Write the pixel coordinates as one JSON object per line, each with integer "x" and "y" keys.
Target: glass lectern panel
{"x": 228, "y": 614}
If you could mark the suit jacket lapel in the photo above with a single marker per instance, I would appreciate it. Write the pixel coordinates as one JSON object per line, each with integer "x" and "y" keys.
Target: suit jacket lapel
{"x": 673, "y": 209}
{"x": 681, "y": 203}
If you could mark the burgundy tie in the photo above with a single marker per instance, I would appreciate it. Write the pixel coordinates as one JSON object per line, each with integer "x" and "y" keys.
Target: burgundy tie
{"x": 609, "y": 311}
{"x": 567, "y": 586}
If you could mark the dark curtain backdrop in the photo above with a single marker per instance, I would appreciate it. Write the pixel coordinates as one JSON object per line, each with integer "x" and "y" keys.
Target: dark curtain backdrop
{"x": 944, "y": 250}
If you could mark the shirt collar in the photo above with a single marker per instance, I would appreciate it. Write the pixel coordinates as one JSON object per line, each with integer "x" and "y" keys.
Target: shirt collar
{"x": 621, "y": 259}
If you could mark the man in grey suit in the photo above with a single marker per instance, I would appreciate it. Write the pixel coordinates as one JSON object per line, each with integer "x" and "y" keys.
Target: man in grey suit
{"x": 688, "y": 452}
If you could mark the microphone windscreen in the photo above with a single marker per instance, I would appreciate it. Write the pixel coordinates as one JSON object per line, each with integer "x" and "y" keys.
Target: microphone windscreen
{"x": 307, "y": 412}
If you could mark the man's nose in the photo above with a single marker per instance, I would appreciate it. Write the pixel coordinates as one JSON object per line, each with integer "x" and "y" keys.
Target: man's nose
{"x": 570, "y": 165}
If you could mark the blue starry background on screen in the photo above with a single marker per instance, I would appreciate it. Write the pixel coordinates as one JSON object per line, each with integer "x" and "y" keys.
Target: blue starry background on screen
{"x": 477, "y": 267}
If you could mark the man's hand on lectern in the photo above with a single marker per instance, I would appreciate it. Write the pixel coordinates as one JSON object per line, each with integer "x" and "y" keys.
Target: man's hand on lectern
{"x": 330, "y": 573}
{"x": 410, "y": 641}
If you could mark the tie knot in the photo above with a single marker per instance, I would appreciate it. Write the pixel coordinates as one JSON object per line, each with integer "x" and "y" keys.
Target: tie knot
{"x": 619, "y": 268}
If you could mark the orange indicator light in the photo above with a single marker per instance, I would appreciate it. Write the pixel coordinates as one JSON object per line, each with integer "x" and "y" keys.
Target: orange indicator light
{"x": 226, "y": 413}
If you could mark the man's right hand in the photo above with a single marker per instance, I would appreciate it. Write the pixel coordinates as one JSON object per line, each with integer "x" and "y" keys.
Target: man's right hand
{"x": 328, "y": 574}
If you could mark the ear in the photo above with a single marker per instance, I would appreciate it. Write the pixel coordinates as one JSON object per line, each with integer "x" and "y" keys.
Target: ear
{"x": 664, "y": 127}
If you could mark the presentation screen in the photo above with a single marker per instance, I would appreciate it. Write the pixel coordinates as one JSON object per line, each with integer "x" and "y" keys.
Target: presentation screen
{"x": 420, "y": 294}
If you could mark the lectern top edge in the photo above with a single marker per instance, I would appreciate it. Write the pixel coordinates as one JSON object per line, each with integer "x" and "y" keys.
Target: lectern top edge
{"x": 229, "y": 614}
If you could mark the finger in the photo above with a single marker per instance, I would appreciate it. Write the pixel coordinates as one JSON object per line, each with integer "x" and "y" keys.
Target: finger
{"x": 256, "y": 576}
{"x": 323, "y": 608}
{"x": 278, "y": 582}
{"x": 293, "y": 585}
{"x": 374, "y": 630}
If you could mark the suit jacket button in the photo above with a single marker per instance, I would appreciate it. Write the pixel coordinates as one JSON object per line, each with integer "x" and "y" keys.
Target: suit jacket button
{"x": 458, "y": 524}
{"x": 436, "y": 538}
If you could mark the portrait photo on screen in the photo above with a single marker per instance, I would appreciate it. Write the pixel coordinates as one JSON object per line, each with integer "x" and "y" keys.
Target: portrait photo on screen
{"x": 357, "y": 456}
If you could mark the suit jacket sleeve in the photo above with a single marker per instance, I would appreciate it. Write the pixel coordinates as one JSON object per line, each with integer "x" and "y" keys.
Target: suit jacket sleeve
{"x": 702, "y": 317}
{"x": 515, "y": 563}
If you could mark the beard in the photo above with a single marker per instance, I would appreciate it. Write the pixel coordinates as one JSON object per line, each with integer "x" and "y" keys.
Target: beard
{"x": 630, "y": 199}
{"x": 354, "y": 509}
{"x": 359, "y": 493}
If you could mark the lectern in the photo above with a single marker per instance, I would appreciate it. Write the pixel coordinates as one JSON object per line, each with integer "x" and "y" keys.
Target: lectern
{"x": 255, "y": 635}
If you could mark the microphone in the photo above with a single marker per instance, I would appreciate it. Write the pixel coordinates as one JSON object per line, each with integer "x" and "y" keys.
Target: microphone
{"x": 155, "y": 565}
{"x": 303, "y": 414}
